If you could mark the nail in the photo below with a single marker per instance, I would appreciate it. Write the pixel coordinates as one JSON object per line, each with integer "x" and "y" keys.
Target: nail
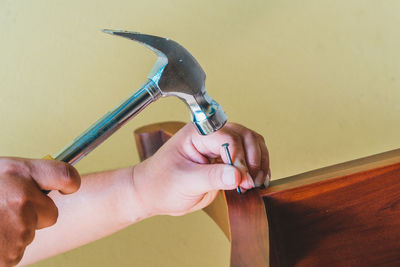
{"x": 228, "y": 155}
{"x": 228, "y": 176}
{"x": 258, "y": 181}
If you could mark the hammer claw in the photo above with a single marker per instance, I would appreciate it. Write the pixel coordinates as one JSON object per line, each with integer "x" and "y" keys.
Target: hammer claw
{"x": 155, "y": 43}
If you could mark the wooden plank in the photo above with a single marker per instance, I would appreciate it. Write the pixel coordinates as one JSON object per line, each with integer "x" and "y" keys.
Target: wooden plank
{"x": 338, "y": 170}
{"x": 352, "y": 220}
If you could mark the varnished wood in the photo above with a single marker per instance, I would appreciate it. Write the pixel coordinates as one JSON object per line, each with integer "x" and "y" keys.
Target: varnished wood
{"x": 344, "y": 215}
{"x": 248, "y": 228}
{"x": 352, "y": 220}
{"x": 338, "y": 170}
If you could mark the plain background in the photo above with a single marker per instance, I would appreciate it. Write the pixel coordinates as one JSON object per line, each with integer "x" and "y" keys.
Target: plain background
{"x": 319, "y": 79}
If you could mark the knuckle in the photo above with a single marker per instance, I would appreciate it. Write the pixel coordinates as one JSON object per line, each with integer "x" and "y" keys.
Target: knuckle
{"x": 69, "y": 176}
{"x": 254, "y": 165}
{"x": 13, "y": 167}
{"x": 16, "y": 251}
{"x": 20, "y": 201}
{"x": 15, "y": 255}
{"x": 64, "y": 170}
{"x": 234, "y": 139}
{"x": 27, "y": 235}
{"x": 250, "y": 135}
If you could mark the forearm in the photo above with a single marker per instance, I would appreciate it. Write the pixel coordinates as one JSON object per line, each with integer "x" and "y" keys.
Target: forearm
{"x": 104, "y": 204}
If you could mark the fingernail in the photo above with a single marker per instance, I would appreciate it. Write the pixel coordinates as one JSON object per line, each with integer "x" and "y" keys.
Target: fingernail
{"x": 267, "y": 180}
{"x": 259, "y": 179}
{"x": 250, "y": 180}
{"x": 228, "y": 176}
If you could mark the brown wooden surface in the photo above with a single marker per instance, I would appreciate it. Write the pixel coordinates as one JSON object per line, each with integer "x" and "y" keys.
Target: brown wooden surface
{"x": 338, "y": 170}
{"x": 249, "y": 229}
{"x": 352, "y": 220}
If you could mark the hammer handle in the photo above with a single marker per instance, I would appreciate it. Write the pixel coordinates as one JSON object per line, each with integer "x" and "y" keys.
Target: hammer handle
{"x": 108, "y": 124}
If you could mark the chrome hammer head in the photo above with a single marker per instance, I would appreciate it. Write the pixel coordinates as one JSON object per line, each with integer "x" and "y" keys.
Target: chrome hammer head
{"x": 177, "y": 73}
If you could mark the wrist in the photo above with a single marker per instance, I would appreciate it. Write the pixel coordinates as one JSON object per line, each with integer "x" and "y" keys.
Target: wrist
{"x": 128, "y": 203}
{"x": 140, "y": 204}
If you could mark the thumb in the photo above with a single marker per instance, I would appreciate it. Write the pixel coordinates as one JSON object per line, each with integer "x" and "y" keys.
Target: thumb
{"x": 55, "y": 175}
{"x": 211, "y": 177}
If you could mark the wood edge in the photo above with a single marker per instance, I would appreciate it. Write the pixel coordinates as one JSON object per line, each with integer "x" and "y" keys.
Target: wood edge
{"x": 334, "y": 171}
{"x": 218, "y": 211}
{"x": 249, "y": 231}
{"x": 169, "y": 127}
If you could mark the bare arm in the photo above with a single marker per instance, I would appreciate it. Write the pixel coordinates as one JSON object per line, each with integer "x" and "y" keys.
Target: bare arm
{"x": 104, "y": 204}
{"x": 177, "y": 180}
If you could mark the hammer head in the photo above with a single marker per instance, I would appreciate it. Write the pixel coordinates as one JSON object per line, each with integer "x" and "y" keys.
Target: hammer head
{"x": 177, "y": 73}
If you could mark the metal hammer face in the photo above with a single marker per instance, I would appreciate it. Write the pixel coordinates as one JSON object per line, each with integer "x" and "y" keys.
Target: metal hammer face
{"x": 177, "y": 73}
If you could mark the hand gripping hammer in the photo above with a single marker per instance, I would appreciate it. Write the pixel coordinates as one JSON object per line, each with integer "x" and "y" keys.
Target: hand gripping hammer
{"x": 175, "y": 73}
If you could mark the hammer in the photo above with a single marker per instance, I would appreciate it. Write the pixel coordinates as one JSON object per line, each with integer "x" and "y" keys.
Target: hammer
{"x": 175, "y": 73}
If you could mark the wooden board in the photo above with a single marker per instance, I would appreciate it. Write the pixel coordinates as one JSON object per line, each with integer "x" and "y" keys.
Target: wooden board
{"x": 352, "y": 220}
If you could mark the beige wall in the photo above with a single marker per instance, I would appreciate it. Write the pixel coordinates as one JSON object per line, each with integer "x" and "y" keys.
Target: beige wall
{"x": 319, "y": 79}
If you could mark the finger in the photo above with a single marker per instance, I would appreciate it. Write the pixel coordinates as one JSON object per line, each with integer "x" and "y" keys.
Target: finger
{"x": 251, "y": 148}
{"x": 211, "y": 146}
{"x": 238, "y": 157}
{"x": 268, "y": 179}
{"x": 265, "y": 164}
{"x": 204, "y": 178}
{"x": 54, "y": 175}
{"x": 256, "y": 153}
{"x": 46, "y": 212}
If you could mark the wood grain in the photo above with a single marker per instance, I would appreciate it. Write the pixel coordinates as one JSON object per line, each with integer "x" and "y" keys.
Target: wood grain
{"x": 249, "y": 229}
{"x": 352, "y": 220}
{"x": 338, "y": 170}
